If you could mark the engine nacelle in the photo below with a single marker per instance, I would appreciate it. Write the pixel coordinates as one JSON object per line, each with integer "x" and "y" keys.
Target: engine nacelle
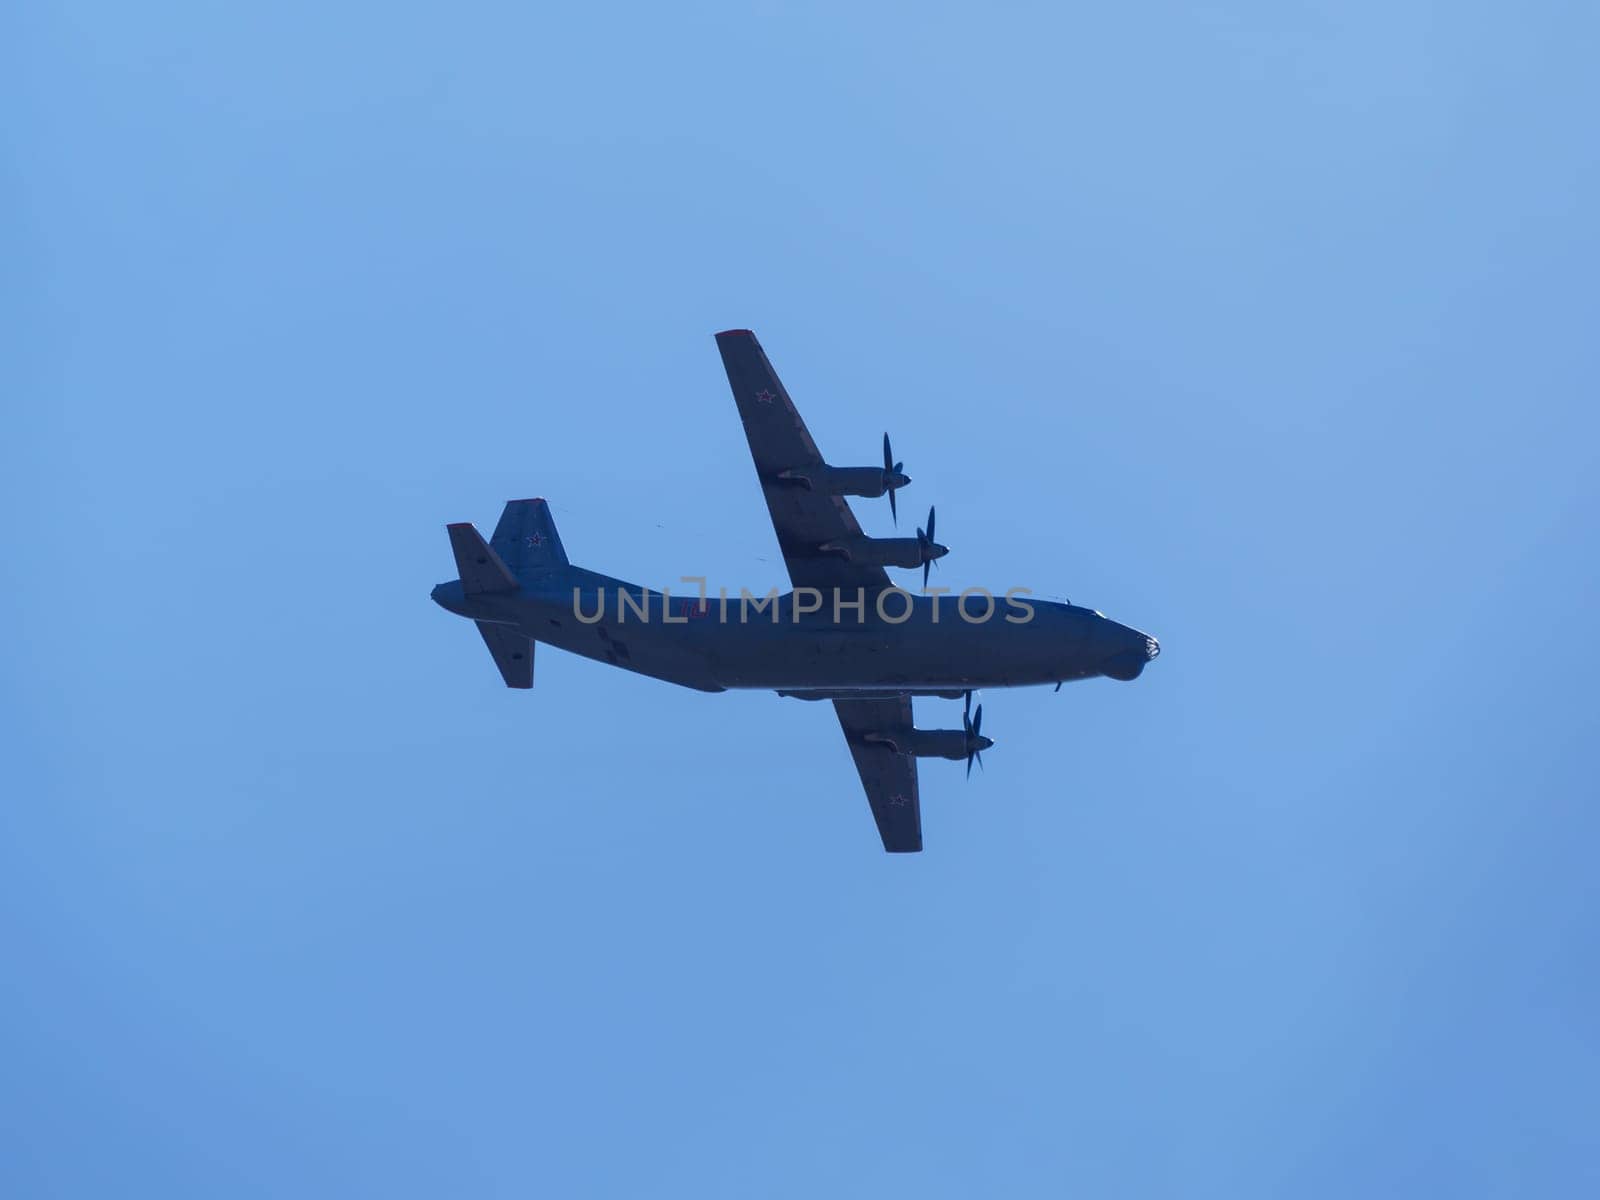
{"x": 954, "y": 744}
{"x": 871, "y": 482}
{"x": 881, "y": 552}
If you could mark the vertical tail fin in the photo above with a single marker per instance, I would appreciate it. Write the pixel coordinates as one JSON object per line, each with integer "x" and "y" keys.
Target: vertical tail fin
{"x": 526, "y": 537}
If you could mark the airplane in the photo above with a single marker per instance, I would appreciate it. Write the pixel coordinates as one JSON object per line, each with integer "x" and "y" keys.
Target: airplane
{"x": 844, "y": 634}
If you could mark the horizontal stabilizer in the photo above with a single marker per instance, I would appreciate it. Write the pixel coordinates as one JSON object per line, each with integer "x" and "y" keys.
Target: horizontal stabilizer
{"x": 512, "y": 652}
{"x": 480, "y": 568}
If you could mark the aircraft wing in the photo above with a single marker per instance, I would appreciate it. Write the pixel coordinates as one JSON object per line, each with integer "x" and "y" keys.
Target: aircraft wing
{"x": 803, "y": 519}
{"x": 889, "y": 776}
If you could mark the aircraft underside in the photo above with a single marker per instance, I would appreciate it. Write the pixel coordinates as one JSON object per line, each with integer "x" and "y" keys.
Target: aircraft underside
{"x": 846, "y": 634}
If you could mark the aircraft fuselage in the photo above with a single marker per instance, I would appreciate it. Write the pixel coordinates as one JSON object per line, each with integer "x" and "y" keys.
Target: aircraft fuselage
{"x": 812, "y": 644}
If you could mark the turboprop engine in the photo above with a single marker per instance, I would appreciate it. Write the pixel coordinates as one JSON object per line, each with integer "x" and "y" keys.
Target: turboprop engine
{"x": 920, "y": 551}
{"x": 955, "y": 744}
{"x": 871, "y": 482}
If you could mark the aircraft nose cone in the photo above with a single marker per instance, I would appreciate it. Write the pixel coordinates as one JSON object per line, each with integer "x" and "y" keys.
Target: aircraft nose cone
{"x": 1130, "y": 650}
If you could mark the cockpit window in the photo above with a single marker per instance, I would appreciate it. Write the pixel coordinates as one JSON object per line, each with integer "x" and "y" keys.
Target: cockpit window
{"x": 1100, "y": 614}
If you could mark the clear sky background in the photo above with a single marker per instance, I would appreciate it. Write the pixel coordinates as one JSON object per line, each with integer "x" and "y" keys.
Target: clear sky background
{"x": 1269, "y": 328}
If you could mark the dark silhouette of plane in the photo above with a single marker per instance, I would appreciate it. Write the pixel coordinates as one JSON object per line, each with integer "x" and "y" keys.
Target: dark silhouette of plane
{"x": 844, "y": 634}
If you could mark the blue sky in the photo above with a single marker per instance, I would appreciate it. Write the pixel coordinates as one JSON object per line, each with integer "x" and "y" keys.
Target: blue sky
{"x": 1269, "y": 328}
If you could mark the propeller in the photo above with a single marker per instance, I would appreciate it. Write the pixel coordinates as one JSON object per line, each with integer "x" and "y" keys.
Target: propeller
{"x": 972, "y": 722}
{"x": 892, "y": 472}
{"x": 927, "y": 544}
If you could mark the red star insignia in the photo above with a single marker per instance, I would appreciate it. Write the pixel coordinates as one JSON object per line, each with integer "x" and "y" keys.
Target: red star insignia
{"x": 764, "y": 397}
{"x": 534, "y": 539}
{"x": 898, "y": 801}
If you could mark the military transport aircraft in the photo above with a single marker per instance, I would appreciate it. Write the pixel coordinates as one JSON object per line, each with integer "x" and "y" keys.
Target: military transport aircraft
{"x": 845, "y": 633}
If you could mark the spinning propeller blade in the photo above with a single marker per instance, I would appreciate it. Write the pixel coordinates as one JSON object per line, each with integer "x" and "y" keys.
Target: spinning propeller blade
{"x": 891, "y": 468}
{"x": 972, "y": 722}
{"x": 926, "y": 540}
